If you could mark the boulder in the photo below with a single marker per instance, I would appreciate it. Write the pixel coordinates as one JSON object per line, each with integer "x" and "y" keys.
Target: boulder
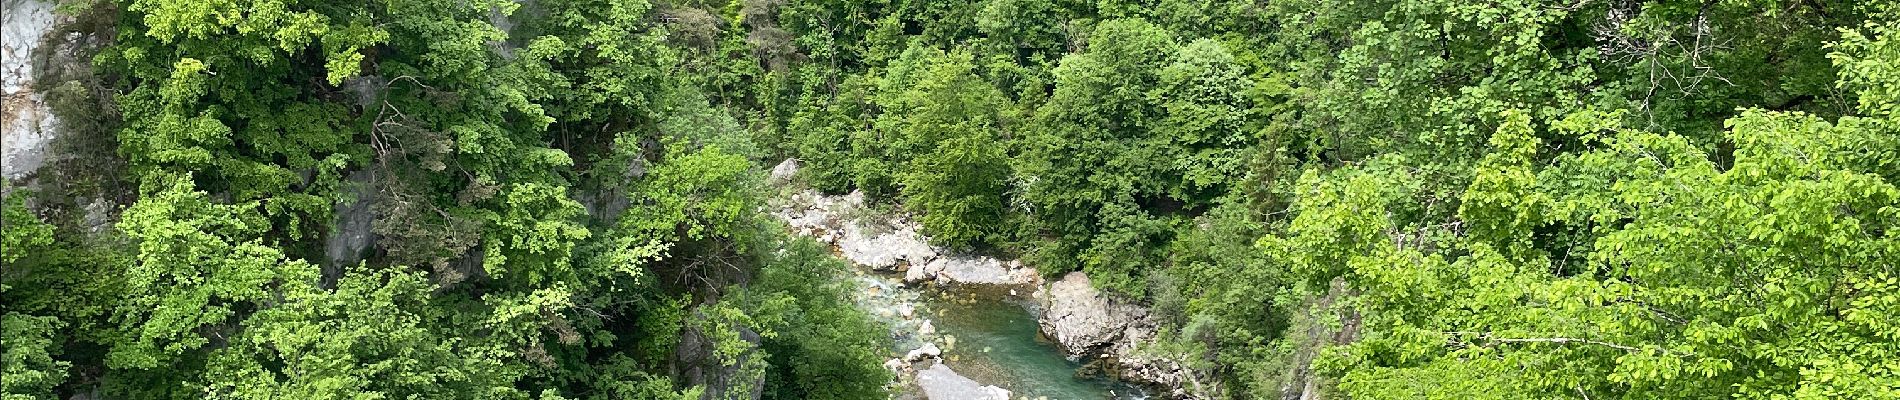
{"x": 783, "y": 173}
{"x": 978, "y": 270}
{"x": 959, "y": 269}
{"x": 927, "y": 351}
{"x": 941, "y": 383}
{"x": 1024, "y": 276}
{"x": 1159, "y": 372}
{"x": 924, "y": 273}
{"x": 1086, "y": 322}
{"x": 351, "y": 237}
{"x": 926, "y": 329}
{"x": 815, "y": 214}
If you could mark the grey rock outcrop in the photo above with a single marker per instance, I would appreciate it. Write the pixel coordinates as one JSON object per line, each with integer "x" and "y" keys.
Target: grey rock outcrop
{"x": 1085, "y": 321}
{"x": 350, "y": 238}
{"x": 882, "y": 244}
{"x": 964, "y": 269}
{"x": 894, "y": 244}
{"x": 697, "y": 363}
{"x": 1088, "y": 323}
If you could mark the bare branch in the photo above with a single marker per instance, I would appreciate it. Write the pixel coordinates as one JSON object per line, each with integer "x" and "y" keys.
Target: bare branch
{"x": 1565, "y": 340}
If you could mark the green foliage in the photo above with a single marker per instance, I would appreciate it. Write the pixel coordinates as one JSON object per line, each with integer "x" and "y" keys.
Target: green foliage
{"x": 825, "y": 150}
{"x": 533, "y": 235}
{"x": 30, "y": 370}
{"x": 939, "y": 112}
{"x": 1206, "y": 112}
{"x": 828, "y": 347}
{"x": 207, "y": 95}
{"x": 1671, "y": 302}
{"x": 1387, "y": 199}
{"x": 527, "y": 168}
{"x": 1024, "y": 25}
{"x": 959, "y": 190}
{"x": 699, "y": 193}
{"x": 372, "y": 336}
{"x": 1474, "y": 184}
{"x": 1503, "y": 202}
{"x": 25, "y": 232}
{"x": 201, "y": 266}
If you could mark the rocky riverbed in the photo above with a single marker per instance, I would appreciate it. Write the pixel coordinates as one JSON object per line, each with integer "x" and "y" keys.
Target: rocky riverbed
{"x": 920, "y": 290}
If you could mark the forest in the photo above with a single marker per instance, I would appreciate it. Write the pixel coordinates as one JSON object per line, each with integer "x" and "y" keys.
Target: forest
{"x": 563, "y": 199}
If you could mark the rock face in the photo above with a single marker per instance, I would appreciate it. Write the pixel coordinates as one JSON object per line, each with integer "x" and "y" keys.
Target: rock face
{"x": 23, "y": 24}
{"x": 1085, "y": 321}
{"x": 1088, "y": 323}
{"x": 1309, "y": 335}
{"x": 941, "y": 383}
{"x": 350, "y": 237}
{"x": 26, "y": 125}
{"x": 695, "y": 360}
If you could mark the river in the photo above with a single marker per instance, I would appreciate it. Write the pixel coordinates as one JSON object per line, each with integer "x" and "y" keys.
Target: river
{"x": 987, "y": 334}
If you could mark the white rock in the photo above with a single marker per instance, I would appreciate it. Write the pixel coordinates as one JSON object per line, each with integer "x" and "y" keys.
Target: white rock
{"x": 922, "y": 273}
{"x": 26, "y": 21}
{"x": 884, "y": 250}
{"x": 926, "y": 329}
{"x": 980, "y": 270}
{"x": 29, "y": 125}
{"x": 1025, "y": 276}
{"x": 941, "y": 383}
{"x": 928, "y": 350}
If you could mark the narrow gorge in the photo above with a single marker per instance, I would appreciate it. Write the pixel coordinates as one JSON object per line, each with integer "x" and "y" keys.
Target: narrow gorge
{"x": 949, "y": 199}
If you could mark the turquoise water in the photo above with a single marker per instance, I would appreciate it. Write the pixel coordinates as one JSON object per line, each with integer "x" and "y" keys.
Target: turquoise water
{"x": 996, "y": 342}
